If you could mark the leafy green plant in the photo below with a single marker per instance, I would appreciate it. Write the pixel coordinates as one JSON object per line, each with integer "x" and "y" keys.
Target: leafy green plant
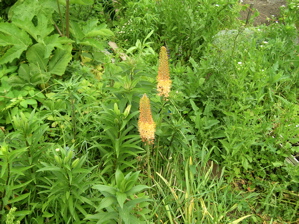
{"x": 10, "y": 217}
{"x": 116, "y": 142}
{"x": 12, "y": 189}
{"x": 183, "y": 35}
{"x": 34, "y": 54}
{"x": 66, "y": 186}
{"x": 121, "y": 203}
{"x": 22, "y": 151}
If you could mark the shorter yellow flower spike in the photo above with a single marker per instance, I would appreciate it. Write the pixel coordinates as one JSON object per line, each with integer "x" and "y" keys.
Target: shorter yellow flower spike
{"x": 163, "y": 78}
{"x": 146, "y": 124}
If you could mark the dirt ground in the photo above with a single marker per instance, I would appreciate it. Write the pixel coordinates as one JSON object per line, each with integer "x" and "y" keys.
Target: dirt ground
{"x": 268, "y": 10}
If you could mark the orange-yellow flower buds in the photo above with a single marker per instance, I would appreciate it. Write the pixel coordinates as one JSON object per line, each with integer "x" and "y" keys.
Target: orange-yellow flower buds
{"x": 146, "y": 124}
{"x": 164, "y": 82}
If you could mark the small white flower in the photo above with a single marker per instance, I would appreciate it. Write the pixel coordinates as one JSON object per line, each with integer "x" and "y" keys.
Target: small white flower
{"x": 217, "y": 5}
{"x": 265, "y": 42}
{"x": 263, "y": 70}
{"x": 239, "y": 63}
{"x": 57, "y": 150}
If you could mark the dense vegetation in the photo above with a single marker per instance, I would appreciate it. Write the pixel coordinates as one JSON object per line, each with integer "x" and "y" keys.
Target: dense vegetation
{"x": 74, "y": 76}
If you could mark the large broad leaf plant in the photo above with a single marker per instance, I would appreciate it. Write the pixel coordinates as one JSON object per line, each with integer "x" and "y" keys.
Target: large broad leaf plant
{"x": 34, "y": 49}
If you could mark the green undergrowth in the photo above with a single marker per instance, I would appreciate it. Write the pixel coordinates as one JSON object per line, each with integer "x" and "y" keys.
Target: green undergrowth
{"x": 71, "y": 77}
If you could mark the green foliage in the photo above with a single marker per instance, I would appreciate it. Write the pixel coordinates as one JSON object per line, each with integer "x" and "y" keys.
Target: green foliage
{"x": 121, "y": 201}
{"x": 12, "y": 189}
{"x": 116, "y": 144}
{"x": 42, "y": 54}
{"x": 10, "y": 217}
{"x": 65, "y": 186}
{"x": 185, "y": 35}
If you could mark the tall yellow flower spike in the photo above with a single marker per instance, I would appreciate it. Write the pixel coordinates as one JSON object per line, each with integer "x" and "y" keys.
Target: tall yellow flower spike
{"x": 146, "y": 124}
{"x": 164, "y": 82}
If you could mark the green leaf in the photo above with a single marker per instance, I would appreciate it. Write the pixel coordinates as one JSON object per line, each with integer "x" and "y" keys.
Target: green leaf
{"x": 29, "y": 75}
{"x": 19, "y": 198}
{"x": 47, "y": 214}
{"x": 36, "y": 55}
{"x": 93, "y": 43}
{"x": 121, "y": 198}
{"x": 106, "y": 202}
{"x": 71, "y": 206}
{"x": 6, "y": 70}
{"x": 211, "y": 123}
{"x": 20, "y": 170}
{"x": 20, "y": 185}
{"x": 136, "y": 189}
{"x": 25, "y": 10}
{"x": 11, "y": 35}
{"x": 55, "y": 41}
{"x": 104, "y": 188}
{"x": 100, "y": 32}
{"x": 22, "y": 213}
{"x": 131, "y": 180}
{"x": 103, "y": 217}
{"x": 49, "y": 168}
{"x": 76, "y": 31}
{"x": 119, "y": 178}
{"x": 60, "y": 60}
{"x": 38, "y": 32}
{"x": 25, "y": 103}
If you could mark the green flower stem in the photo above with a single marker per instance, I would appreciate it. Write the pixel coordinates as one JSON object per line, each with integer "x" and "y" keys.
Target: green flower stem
{"x": 149, "y": 174}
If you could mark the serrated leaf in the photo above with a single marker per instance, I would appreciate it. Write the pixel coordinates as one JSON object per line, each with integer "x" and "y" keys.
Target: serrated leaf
{"x": 100, "y": 32}
{"x": 76, "y": 31}
{"x": 12, "y": 53}
{"x": 60, "y": 60}
{"x": 93, "y": 43}
{"x": 25, "y": 10}
{"x": 92, "y": 29}
{"x": 55, "y": 41}
{"x": 29, "y": 75}
{"x": 36, "y": 55}
{"x": 38, "y": 32}
{"x": 11, "y": 35}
